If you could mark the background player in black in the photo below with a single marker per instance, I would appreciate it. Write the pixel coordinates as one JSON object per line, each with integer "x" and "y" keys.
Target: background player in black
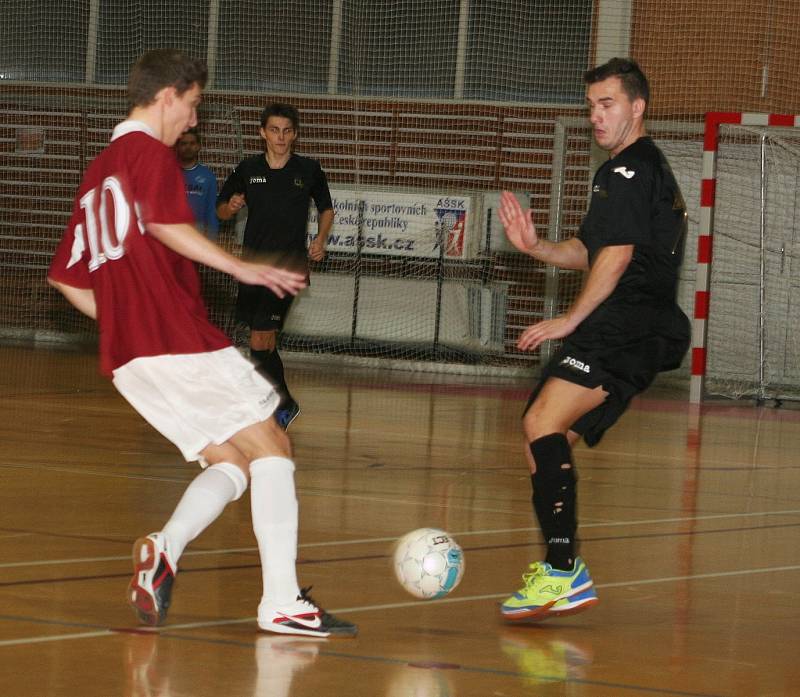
{"x": 623, "y": 328}
{"x": 277, "y": 188}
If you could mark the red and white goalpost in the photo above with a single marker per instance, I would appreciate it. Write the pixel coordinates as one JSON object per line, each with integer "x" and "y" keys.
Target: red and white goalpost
{"x": 705, "y": 238}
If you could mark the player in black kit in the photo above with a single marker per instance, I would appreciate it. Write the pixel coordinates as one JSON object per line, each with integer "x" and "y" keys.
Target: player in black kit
{"x": 276, "y": 187}
{"x": 623, "y": 328}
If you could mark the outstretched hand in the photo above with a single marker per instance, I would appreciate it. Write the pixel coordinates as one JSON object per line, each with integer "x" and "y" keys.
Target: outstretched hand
{"x": 536, "y": 334}
{"x": 279, "y": 281}
{"x": 518, "y": 223}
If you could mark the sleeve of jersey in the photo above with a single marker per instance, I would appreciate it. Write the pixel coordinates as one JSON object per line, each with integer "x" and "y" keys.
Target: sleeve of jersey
{"x": 160, "y": 189}
{"x": 320, "y": 191}
{"x": 628, "y": 205}
{"x": 68, "y": 265}
{"x": 234, "y": 184}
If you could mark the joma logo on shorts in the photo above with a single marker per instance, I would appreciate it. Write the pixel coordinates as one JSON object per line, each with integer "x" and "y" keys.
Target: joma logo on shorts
{"x": 570, "y": 362}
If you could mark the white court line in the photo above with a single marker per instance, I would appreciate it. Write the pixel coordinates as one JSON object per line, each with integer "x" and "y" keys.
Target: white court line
{"x": 410, "y": 502}
{"x": 397, "y": 606}
{"x": 596, "y": 456}
{"x": 93, "y": 473}
{"x": 300, "y": 490}
{"x": 57, "y": 637}
{"x": 377, "y": 540}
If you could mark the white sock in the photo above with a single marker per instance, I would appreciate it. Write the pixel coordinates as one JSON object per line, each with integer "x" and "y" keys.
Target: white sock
{"x": 201, "y": 504}
{"x": 274, "y": 508}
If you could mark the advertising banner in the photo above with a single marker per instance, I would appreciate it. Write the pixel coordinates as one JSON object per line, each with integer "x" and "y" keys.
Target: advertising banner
{"x": 399, "y": 224}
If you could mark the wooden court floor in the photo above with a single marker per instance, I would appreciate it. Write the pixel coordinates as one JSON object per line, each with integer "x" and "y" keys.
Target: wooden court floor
{"x": 690, "y": 524}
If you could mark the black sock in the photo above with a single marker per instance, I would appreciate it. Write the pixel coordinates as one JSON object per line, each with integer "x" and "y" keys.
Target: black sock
{"x": 271, "y": 366}
{"x": 555, "y": 497}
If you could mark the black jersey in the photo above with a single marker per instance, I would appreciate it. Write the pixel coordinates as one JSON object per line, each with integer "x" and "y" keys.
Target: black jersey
{"x": 636, "y": 200}
{"x": 639, "y": 329}
{"x": 277, "y": 202}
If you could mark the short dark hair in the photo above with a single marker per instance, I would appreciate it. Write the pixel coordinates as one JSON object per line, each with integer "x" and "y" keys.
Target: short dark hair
{"x": 191, "y": 132}
{"x": 287, "y": 111}
{"x": 164, "y": 67}
{"x": 634, "y": 82}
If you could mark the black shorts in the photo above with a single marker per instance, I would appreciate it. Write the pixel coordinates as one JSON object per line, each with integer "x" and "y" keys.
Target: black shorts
{"x": 623, "y": 370}
{"x": 260, "y": 309}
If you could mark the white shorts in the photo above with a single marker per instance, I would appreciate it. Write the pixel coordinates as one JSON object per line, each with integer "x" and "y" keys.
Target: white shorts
{"x": 197, "y": 399}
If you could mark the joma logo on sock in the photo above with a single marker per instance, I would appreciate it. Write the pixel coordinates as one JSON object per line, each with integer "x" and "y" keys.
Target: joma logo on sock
{"x": 570, "y": 362}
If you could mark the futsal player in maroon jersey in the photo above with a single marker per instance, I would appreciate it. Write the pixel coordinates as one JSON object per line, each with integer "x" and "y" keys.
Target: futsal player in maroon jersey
{"x": 127, "y": 260}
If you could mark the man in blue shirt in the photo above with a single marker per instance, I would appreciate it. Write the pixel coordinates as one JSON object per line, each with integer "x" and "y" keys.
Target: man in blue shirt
{"x": 201, "y": 184}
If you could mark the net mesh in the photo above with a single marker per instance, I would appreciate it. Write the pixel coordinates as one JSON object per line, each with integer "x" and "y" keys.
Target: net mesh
{"x": 754, "y": 287}
{"x": 419, "y": 111}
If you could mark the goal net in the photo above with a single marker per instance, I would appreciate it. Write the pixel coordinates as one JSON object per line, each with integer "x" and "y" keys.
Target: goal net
{"x": 753, "y": 348}
{"x": 420, "y": 112}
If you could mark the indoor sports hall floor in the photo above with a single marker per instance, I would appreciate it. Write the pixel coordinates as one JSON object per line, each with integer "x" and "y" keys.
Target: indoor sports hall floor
{"x": 690, "y": 525}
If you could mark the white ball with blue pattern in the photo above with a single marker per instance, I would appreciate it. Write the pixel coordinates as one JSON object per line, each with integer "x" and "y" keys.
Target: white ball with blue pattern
{"x": 428, "y": 563}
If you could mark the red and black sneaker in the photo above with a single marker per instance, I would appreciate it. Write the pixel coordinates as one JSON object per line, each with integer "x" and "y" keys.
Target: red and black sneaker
{"x": 150, "y": 589}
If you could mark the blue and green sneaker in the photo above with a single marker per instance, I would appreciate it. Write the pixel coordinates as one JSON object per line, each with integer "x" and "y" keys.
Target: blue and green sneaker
{"x": 551, "y": 592}
{"x": 575, "y": 603}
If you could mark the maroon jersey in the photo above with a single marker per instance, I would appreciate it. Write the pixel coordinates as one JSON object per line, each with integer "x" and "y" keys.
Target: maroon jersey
{"x": 148, "y": 296}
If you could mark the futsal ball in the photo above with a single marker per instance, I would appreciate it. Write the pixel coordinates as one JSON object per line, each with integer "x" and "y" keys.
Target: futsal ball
{"x": 428, "y": 563}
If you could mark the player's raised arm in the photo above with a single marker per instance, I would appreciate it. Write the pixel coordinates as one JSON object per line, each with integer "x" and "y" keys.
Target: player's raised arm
{"x": 521, "y": 232}
{"x": 189, "y": 242}
{"x": 518, "y": 223}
